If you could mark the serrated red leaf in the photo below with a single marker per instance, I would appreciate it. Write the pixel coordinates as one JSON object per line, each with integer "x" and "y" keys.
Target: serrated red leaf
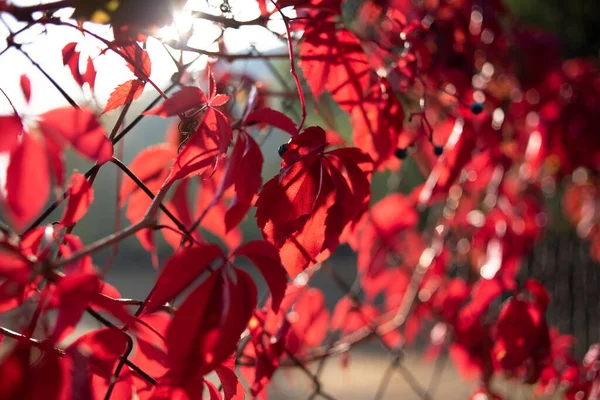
{"x": 27, "y": 181}
{"x": 232, "y": 387}
{"x": 138, "y": 61}
{"x": 25, "y": 87}
{"x": 266, "y": 259}
{"x": 271, "y": 117}
{"x": 180, "y": 271}
{"x": 203, "y": 151}
{"x": 11, "y": 127}
{"x": 304, "y": 210}
{"x": 188, "y": 98}
{"x": 79, "y": 197}
{"x": 124, "y": 94}
{"x": 81, "y": 129}
{"x": 333, "y": 60}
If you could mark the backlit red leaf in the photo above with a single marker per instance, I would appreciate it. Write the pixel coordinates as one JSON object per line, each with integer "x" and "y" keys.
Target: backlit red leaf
{"x": 89, "y": 75}
{"x": 333, "y": 60}
{"x": 243, "y": 170}
{"x": 137, "y": 60}
{"x": 377, "y": 122}
{"x": 81, "y": 129}
{"x": 189, "y": 97}
{"x": 79, "y": 197}
{"x": 271, "y": 117}
{"x": 266, "y": 259}
{"x": 151, "y": 165}
{"x": 70, "y": 58}
{"x": 304, "y": 210}
{"x": 27, "y": 181}
{"x": 11, "y": 127}
{"x": 25, "y": 86}
{"x": 203, "y": 151}
{"x": 180, "y": 271}
{"x": 125, "y": 93}
{"x": 219, "y": 100}
{"x": 232, "y": 387}
{"x": 203, "y": 335}
{"x": 74, "y": 293}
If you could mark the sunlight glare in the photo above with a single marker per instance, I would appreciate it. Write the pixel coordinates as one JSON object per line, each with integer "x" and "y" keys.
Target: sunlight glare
{"x": 182, "y": 23}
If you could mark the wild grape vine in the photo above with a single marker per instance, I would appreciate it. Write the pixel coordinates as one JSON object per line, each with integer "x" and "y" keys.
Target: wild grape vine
{"x": 491, "y": 115}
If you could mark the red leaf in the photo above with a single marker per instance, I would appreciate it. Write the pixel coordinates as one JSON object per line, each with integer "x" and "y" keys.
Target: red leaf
{"x": 13, "y": 266}
{"x": 57, "y": 161}
{"x": 273, "y": 118}
{"x": 184, "y": 331}
{"x": 11, "y": 127}
{"x": 317, "y": 193}
{"x": 213, "y": 392}
{"x": 95, "y": 355}
{"x": 27, "y": 181}
{"x": 333, "y": 60}
{"x": 205, "y": 148}
{"x": 244, "y": 170}
{"x": 377, "y": 122}
{"x": 26, "y": 87}
{"x": 180, "y": 271}
{"x": 81, "y": 129}
{"x": 137, "y": 60}
{"x": 202, "y": 335}
{"x": 71, "y": 59}
{"x": 80, "y": 195}
{"x": 47, "y": 378}
{"x": 189, "y": 97}
{"x": 124, "y": 94}
{"x": 310, "y": 328}
{"x": 266, "y": 258}
{"x": 89, "y": 75}
{"x": 74, "y": 293}
{"x": 232, "y": 387}
{"x": 179, "y": 206}
{"x": 139, "y": 202}
{"x": 219, "y": 100}
{"x": 215, "y": 213}
{"x": 151, "y": 165}
{"x": 349, "y": 316}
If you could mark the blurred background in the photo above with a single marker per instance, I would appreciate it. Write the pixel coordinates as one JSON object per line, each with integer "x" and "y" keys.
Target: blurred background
{"x": 560, "y": 260}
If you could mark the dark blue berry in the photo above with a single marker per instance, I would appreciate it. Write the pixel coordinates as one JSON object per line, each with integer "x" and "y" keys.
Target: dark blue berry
{"x": 438, "y": 150}
{"x": 282, "y": 149}
{"x": 476, "y": 108}
{"x": 401, "y": 153}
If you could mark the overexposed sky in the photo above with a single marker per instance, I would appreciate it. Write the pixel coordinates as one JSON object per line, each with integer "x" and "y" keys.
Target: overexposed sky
{"x": 44, "y": 46}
